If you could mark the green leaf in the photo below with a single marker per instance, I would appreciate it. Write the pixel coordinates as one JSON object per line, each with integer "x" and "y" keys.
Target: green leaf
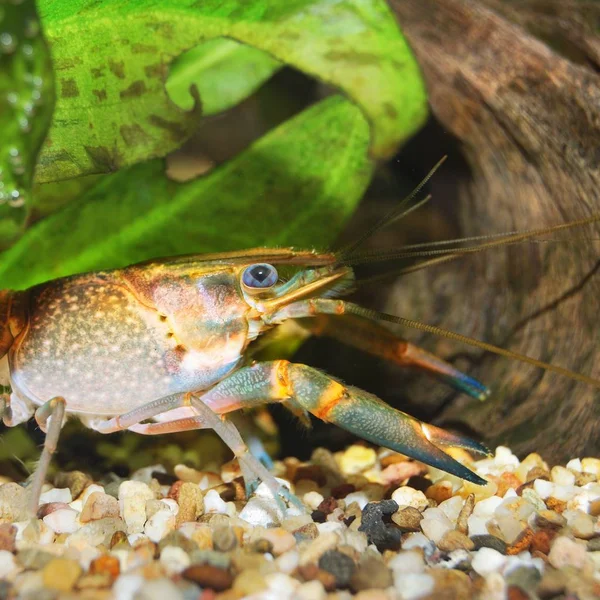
{"x": 26, "y": 102}
{"x": 112, "y": 57}
{"x": 295, "y": 186}
{"x": 224, "y": 72}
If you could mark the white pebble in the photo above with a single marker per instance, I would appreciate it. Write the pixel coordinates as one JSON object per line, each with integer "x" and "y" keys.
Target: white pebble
{"x": 435, "y": 529}
{"x": 158, "y": 589}
{"x": 413, "y": 585}
{"x": 452, "y": 507}
{"x": 311, "y": 590}
{"x": 264, "y": 491}
{"x": 504, "y": 456}
{"x": 487, "y": 560}
{"x": 487, "y": 507}
{"x": 87, "y": 554}
{"x": 56, "y": 495}
{"x": 288, "y": 561}
{"x": 591, "y": 465}
{"x": 562, "y": 476}
{"x": 331, "y": 526}
{"x": 132, "y": 504}
{"x": 213, "y": 503}
{"x": 565, "y": 551}
{"x": 575, "y": 465}
{"x": 514, "y": 507}
{"x": 477, "y": 525}
{"x": 407, "y": 561}
{"x": 174, "y": 560}
{"x": 407, "y": 496}
{"x": 134, "y": 538}
{"x": 359, "y": 497}
{"x": 8, "y": 566}
{"x": 564, "y": 492}
{"x": 79, "y": 503}
{"x": 63, "y": 520}
{"x": 580, "y": 502}
{"x": 282, "y": 583}
{"x": 159, "y": 524}
{"x": 126, "y": 586}
{"x": 265, "y": 512}
{"x": 417, "y": 540}
{"x": 543, "y": 488}
{"x": 313, "y": 499}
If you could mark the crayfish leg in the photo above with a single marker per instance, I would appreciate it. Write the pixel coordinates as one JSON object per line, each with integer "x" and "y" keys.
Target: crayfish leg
{"x": 372, "y": 337}
{"x": 50, "y": 417}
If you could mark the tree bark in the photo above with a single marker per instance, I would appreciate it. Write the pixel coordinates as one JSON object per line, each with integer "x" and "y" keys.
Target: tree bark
{"x": 527, "y": 120}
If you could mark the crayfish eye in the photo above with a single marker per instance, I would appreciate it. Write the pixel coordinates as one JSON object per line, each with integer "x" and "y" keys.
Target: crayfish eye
{"x": 260, "y": 276}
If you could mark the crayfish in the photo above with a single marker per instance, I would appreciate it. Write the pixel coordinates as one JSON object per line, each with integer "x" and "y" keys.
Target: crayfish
{"x": 166, "y": 346}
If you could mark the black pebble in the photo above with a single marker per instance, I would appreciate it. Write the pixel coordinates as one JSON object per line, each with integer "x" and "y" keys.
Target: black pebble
{"x": 489, "y": 541}
{"x": 375, "y": 524}
{"x": 340, "y": 565}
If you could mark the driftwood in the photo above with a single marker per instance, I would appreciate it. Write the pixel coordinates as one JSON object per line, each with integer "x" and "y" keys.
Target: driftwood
{"x": 527, "y": 120}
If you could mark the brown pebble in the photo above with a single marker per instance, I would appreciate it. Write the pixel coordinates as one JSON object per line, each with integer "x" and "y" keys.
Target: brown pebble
{"x": 309, "y": 531}
{"x": 50, "y": 507}
{"x": 455, "y": 540}
{"x": 439, "y": 491}
{"x": 556, "y": 505}
{"x": 419, "y": 482}
{"x": 392, "y": 459}
{"x": 341, "y": 491}
{"x": 310, "y": 472}
{"x": 105, "y": 564}
{"x": 8, "y": 533}
{"x": 208, "y": 576}
{"x": 451, "y": 584}
{"x": 537, "y": 473}
{"x": 550, "y": 519}
{"x": 328, "y": 505}
{"x": 594, "y": 508}
{"x": 61, "y": 574}
{"x": 408, "y": 519}
{"x": 522, "y": 542}
{"x": 542, "y": 540}
{"x": 372, "y": 573}
{"x": 119, "y": 537}
{"x": 582, "y": 479}
{"x": 190, "y": 499}
{"x": 507, "y": 481}
{"x": 465, "y": 513}
{"x": 99, "y": 506}
{"x": 311, "y": 572}
{"x": 514, "y": 592}
{"x": 76, "y": 481}
{"x": 226, "y": 491}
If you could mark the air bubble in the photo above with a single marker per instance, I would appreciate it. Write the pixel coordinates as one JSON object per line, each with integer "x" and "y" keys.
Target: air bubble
{"x": 24, "y": 124}
{"x": 16, "y": 199}
{"x": 13, "y": 152}
{"x": 28, "y": 108}
{"x": 38, "y": 81}
{"x": 28, "y": 50}
{"x": 12, "y": 98}
{"x": 7, "y": 43}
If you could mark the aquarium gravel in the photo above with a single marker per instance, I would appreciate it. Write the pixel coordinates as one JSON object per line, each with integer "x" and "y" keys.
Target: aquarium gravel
{"x": 377, "y": 525}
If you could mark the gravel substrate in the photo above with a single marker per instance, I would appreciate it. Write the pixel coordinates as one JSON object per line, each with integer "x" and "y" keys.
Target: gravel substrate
{"x": 377, "y": 526}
